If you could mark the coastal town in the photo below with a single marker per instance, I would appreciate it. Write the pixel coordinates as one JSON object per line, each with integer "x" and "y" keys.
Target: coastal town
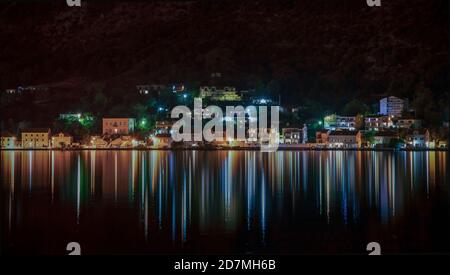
{"x": 393, "y": 126}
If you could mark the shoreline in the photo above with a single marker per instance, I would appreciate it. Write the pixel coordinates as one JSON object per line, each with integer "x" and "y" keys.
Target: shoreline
{"x": 232, "y": 149}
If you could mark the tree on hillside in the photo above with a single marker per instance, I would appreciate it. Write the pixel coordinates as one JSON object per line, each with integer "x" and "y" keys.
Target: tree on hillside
{"x": 355, "y": 107}
{"x": 425, "y": 106}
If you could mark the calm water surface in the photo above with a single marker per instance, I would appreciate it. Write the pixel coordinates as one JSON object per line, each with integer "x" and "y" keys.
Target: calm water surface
{"x": 224, "y": 201}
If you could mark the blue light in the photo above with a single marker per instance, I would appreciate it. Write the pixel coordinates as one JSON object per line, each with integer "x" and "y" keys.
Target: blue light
{"x": 185, "y": 95}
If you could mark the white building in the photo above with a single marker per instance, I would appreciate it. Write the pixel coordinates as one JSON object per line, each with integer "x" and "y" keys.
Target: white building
{"x": 333, "y": 122}
{"x": 393, "y": 106}
{"x": 294, "y": 135}
{"x": 419, "y": 138}
{"x": 378, "y": 122}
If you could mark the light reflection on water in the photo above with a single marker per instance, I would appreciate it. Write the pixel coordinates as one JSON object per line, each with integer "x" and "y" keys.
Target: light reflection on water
{"x": 225, "y": 201}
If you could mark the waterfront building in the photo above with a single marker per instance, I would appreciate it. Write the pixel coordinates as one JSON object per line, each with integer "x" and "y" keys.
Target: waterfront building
{"x": 393, "y": 106}
{"x": 8, "y": 140}
{"x": 382, "y": 138}
{"x": 36, "y": 138}
{"x": 62, "y": 140}
{"x": 419, "y": 138}
{"x": 322, "y": 136}
{"x": 441, "y": 144}
{"x": 294, "y": 135}
{"x": 344, "y": 139}
{"x": 121, "y": 126}
{"x": 97, "y": 142}
{"x": 123, "y": 142}
{"x": 162, "y": 141}
{"x": 268, "y": 137}
{"x": 378, "y": 122}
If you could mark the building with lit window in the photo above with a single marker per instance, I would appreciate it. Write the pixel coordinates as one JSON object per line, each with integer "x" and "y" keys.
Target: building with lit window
{"x": 163, "y": 126}
{"x": 333, "y": 122}
{"x": 418, "y": 138}
{"x": 120, "y": 126}
{"x": 161, "y": 140}
{"x": 322, "y": 136}
{"x": 151, "y": 89}
{"x": 294, "y": 135}
{"x": 97, "y": 142}
{"x": 378, "y": 122}
{"x": 345, "y": 139}
{"x": 383, "y": 138}
{"x": 220, "y": 94}
{"x": 8, "y": 140}
{"x": 36, "y": 138}
{"x": 123, "y": 142}
{"x": 62, "y": 140}
{"x": 409, "y": 123}
{"x": 393, "y": 106}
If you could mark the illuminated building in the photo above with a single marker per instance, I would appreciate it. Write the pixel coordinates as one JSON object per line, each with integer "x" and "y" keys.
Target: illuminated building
{"x": 322, "y": 136}
{"x": 294, "y": 135}
{"x": 151, "y": 89}
{"x": 344, "y": 139}
{"x": 97, "y": 142}
{"x": 61, "y": 141}
{"x": 163, "y": 126}
{"x": 384, "y": 137}
{"x": 393, "y": 106}
{"x": 162, "y": 140}
{"x": 333, "y": 122}
{"x": 36, "y": 138}
{"x": 122, "y": 142}
{"x": 73, "y": 116}
{"x": 409, "y": 123}
{"x": 220, "y": 94}
{"x": 121, "y": 126}
{"x": 8, "y": 140}
{"x": 418, "y": 138}
{"x": 378, "y": 122}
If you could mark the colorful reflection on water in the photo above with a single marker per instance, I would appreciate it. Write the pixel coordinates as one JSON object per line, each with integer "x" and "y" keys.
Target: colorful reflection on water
{"x": 224, "y": 201}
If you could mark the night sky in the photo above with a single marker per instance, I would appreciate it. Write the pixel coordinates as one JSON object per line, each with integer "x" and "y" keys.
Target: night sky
{"x": 332, "y": 51}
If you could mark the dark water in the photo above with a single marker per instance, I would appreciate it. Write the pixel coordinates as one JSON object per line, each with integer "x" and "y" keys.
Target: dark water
{"x": 224, "y": 202}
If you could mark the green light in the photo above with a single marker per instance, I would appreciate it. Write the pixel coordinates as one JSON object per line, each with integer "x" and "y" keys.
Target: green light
{"x": 320, "y": 122}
